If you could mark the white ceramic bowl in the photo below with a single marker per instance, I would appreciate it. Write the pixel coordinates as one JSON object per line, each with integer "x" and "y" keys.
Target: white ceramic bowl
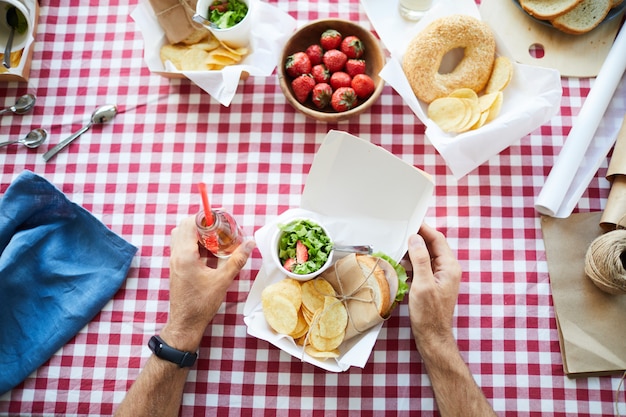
{"x": 236, "y": 36}
{"x": 300, "y": 277}
{"x": 19, "y": 38}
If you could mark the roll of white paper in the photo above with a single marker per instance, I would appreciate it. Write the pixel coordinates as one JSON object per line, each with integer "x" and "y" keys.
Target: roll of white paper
{"x": 559, "y": 195}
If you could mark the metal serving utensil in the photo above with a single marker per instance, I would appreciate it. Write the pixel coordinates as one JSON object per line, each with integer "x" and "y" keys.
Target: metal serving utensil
{"x": 101, "y": 115}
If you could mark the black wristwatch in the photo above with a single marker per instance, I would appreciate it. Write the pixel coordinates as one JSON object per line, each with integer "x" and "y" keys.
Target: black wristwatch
{"x": 164, "y": 351}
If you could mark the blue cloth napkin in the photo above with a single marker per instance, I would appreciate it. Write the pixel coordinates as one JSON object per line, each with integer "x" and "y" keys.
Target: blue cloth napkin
{"x": 59, "y": 266}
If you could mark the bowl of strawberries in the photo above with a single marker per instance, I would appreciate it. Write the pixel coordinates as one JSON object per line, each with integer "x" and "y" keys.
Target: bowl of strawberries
{"x": 328, "y": 69}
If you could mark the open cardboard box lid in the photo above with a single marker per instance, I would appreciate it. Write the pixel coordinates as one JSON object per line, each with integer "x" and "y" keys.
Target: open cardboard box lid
{"x": 362, "y": 194}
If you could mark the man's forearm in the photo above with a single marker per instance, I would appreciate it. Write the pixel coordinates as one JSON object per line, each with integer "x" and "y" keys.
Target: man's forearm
{"x": 157, "y": 391}
{"x": 456, "y": 392}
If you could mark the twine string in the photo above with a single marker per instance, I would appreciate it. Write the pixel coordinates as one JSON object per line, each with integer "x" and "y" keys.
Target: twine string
{"x": 619, "y": 388}
{"x": 340, "y": 297}
{"x": 605, "y": 261}
{"x": 183, "y": 3}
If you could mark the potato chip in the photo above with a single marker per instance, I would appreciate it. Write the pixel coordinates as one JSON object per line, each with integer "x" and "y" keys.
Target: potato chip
{"x": 486, "y": 100}
{"x": 194, "y": 60}
{"x": 308, "y": 314}
{"x": 280, "y": 313}
{"x": 500, "y": 75}
{"x": 449, "y": 113}
{"x": 206, "y": 54}
{"x": 301, "y": 328}
{"x": 464, "y": 93}
{"x": 494, "y": 110}
{"x": 313, "y": 293}
{"x": 214, "y": 67}
{"x": 333, "y": 318}
{"x": 173, "y": 53}
{"x": 321, "y": 354}
{"x": 208, "y": 45}
{"x": 475, "y": 115}
{"x": 320, "y": 342}
{"x": 288, "y": 288}
{"x": 481, "y": 120}
{"x": 217, "y": 59}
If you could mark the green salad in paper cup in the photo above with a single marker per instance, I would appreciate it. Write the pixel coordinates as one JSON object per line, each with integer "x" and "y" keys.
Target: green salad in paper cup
{"x": 304, "y": 249}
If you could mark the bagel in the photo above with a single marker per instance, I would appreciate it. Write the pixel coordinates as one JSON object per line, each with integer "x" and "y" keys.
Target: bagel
{"x": 425, "y": 52}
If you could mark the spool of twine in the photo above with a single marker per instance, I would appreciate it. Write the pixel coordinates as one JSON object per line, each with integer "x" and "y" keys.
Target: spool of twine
{"x": 605, "y": 262}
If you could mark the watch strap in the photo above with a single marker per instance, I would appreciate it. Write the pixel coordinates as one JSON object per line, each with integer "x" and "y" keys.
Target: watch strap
{"x": 164, "y": 351}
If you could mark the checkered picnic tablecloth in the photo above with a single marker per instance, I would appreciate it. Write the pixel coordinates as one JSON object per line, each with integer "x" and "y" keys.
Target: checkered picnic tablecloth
{"x": 138, "y": 175}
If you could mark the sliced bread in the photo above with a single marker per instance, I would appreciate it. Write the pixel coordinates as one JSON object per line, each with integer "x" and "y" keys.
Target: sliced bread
{"x": 584, "y": 17}
{"x": 548, "y": 9}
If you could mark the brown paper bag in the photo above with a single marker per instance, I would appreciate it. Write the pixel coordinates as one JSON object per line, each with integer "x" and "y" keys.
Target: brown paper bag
{"x": 347, "y": 279}
{"x": 175, "y": 17}
{"x": 591, "y": 323}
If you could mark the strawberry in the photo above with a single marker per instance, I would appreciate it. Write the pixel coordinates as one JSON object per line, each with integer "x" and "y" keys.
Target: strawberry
{"x": 298, "y": 64}
{"x": 352, "y": 46}
{"x": 320, "y": 73}
{"x": 302, "y": 253}
{"x": 321, "y": 94}
{"x": 343, "y": 99}
{"x": 330, "y": 39}
{"x": 302, "y": 87}
{"x": 355, "y": 66}
{"x": 315, "y": 53}
{"x": 334, "y": 60}
{"x": 363, "y": 85}
{"x": 220, "y": 5}
{"x": 289, "y": 264}
{"x": 340, "y": 79}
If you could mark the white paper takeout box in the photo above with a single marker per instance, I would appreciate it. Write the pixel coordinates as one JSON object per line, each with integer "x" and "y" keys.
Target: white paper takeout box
{"x": 531, "y": 99}
{"x": 362, "y": 194}
{"x": 271, "y": 27}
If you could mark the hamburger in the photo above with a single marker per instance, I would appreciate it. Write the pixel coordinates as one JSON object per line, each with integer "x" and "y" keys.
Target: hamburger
{"x": 372, "y": 284}
{"x": 387, "y": 279}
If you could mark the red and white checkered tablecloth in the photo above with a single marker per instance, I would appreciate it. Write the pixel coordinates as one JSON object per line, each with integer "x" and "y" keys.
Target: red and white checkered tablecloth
{"x": 138, "y": 175}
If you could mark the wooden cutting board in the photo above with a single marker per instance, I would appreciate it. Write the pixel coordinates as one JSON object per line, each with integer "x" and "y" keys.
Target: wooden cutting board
{"x": 571, "y": 55}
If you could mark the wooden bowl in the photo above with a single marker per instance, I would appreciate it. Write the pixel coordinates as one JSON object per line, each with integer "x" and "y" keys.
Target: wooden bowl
{"x": 310, "y": 34}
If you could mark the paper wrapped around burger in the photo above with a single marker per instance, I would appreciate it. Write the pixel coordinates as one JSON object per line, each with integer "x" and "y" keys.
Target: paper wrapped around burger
{"x": 175, "y": 17}
{"x": 367, "y": 285}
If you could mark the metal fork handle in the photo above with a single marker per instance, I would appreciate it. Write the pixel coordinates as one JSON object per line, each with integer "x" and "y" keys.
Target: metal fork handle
{"x": 359, "y": 249}
{"x": 48, "y": 155}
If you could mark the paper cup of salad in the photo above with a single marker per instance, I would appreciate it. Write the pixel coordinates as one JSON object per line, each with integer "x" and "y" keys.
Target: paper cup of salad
{"x": 302, "y": 249}
{"x": 228, "y": 20}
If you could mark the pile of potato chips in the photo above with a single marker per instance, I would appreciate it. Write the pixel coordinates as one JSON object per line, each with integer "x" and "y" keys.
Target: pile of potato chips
{"x": 464, "y": 110}
{"x": 207, "y": 55}
{"x": 309, "y": 312}
{"x": 16, "y": 56}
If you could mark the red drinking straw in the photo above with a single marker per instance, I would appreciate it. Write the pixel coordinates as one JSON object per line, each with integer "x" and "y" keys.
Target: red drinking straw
{"x": 208, "y": 216}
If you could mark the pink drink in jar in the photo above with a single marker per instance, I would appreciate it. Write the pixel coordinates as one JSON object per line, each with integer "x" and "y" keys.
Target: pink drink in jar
{"x": 223, "y": 236}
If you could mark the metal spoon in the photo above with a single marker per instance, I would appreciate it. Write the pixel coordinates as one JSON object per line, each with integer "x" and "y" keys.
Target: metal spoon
{"x": 12, "y": 21}
{"x": 22, "y": 105}
{"x": 34, "y": 138}
{"x": 360, "y": 249}
{"x": 101, "y": 115}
